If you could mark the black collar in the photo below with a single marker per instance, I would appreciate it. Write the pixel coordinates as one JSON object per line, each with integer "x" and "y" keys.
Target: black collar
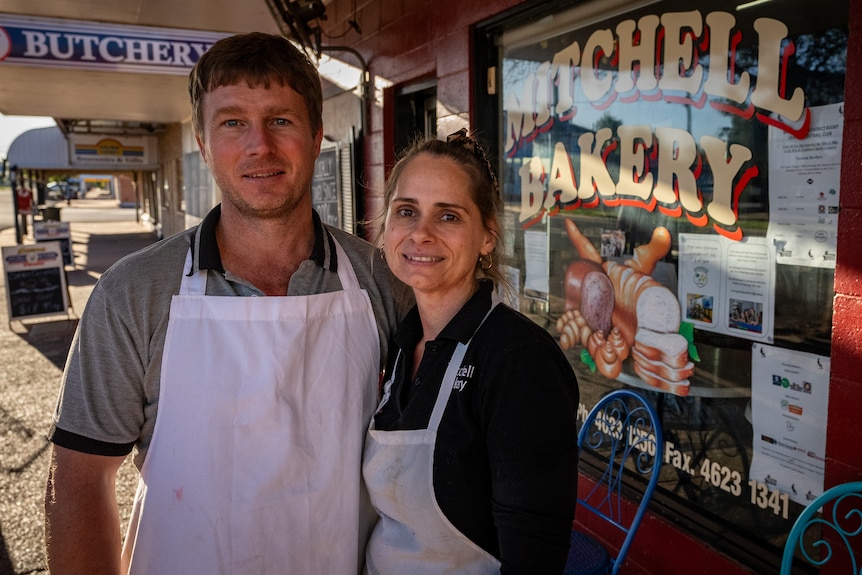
{"x": 460, "y": 328}
{"x": 208, "y": 256}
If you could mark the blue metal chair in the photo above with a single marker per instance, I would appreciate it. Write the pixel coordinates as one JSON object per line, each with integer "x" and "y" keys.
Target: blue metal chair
{"x": 622, "y": 428}
{"x": 840, "y": 526}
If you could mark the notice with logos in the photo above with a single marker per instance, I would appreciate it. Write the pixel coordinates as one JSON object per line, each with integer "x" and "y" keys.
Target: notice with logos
{"x": 789, "y": 398}
{"x": 804, "y": 183}
{"x": 727, "y": 286}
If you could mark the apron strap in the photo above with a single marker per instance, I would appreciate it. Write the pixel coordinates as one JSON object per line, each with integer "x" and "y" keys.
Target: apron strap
{"x": 387, "y": 385}
{"x": 345, "y": 268}
{"x": 446, "y": 386}
{"x": 195, "y": 284}
{"x": 452, "y": 375}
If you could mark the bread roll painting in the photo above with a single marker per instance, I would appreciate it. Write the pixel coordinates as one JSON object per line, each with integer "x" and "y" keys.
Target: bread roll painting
{"x": 617, "y": 312}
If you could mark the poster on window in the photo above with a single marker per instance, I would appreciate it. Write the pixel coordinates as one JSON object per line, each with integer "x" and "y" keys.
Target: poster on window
{"x": 536, "y": 255}
{"x": 727, "y": 287}
{"x": 789, "y": 400}
{"x": 805, "y": 177}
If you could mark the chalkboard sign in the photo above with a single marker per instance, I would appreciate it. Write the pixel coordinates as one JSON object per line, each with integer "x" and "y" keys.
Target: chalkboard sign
{"x": 324, "y": 187}
{"x": 35, "y": 280}
{"x": 50, "y": 230}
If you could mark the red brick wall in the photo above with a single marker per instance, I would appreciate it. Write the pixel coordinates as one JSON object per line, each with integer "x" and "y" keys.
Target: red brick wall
{"x": 843, "y": 453}
{"x": 404, "y": 41}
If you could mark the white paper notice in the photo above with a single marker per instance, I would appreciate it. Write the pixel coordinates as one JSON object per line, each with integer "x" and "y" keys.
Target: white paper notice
{"x": 804, "y": 178}
{"x": 789, "y": 397}
{"x": 727, "y": 286}
{"x": 536, "y": 256}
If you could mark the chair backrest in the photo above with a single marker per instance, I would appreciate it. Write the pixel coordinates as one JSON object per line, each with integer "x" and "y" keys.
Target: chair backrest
{"x": 624, "y": 428}
{"x": 840, "y": 525}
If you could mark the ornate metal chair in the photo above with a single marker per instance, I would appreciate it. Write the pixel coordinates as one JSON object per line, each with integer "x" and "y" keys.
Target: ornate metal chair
{"x": 624, "y": 430}
{"x": 840, "y": 535}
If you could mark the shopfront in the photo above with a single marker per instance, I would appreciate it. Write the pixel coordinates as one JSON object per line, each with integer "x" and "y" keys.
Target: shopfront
{"x": 672, "y": 174}
{"x": 672, "y": 178}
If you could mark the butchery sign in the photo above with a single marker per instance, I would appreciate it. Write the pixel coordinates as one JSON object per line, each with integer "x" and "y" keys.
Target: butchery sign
{"x": 76, "y": 44}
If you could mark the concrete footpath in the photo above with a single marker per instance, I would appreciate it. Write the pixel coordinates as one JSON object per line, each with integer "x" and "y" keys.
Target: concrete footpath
{"x": 32, "y": 355}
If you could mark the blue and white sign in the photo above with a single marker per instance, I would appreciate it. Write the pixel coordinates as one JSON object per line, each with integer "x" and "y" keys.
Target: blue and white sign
{"x": 56, "y": 43}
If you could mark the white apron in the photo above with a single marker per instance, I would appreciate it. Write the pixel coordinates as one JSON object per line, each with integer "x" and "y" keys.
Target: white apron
{"x": 413, "y": 535}
{"x": 255, "y": 462}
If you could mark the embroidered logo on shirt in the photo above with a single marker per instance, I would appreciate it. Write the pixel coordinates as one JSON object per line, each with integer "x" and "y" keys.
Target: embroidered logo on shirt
{"x": 463, "y": 376}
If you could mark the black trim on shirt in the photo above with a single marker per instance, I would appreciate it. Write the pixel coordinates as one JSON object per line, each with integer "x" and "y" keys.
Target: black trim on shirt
{"x": 77, "y": 442}
{"x": 319, "y": 252}
{"x": 208, "y": 254}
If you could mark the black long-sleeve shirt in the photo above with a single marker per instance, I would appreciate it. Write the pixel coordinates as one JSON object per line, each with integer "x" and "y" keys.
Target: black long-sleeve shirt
{"x": 505, "y": 460}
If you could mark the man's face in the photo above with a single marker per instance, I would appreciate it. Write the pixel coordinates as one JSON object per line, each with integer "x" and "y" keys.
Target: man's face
{"x": 259, "y": 144}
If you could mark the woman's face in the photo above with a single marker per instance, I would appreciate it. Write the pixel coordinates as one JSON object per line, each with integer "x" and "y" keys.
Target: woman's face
{"x": 434, "y": 232}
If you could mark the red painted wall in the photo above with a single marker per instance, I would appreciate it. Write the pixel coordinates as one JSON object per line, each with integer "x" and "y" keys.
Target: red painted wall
{"x": 844, "y": 454}
{"x": 843, "y": 451}
{"x": 406, "y": 40}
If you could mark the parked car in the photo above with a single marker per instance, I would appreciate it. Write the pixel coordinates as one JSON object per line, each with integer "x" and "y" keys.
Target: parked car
{"x": 57, "y": 190}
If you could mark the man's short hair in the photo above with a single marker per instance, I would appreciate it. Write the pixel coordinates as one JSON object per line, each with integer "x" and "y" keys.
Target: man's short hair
{"x": 259, "y": 59}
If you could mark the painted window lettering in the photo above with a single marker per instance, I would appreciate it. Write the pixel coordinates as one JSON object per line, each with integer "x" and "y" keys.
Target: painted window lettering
{"x": 656, "y": 58}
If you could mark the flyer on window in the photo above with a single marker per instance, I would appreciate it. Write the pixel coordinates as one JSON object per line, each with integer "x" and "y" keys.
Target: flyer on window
{"x": 789, "y": 399}
{"x": 727, "y": 286}
{"x": 804, "y": 184}
{"x": 536, "y": 283}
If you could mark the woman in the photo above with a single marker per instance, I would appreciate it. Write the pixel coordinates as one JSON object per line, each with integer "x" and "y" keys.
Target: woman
{"x": 471, "y": 458}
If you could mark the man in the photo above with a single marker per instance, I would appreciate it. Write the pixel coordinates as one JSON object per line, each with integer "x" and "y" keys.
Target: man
{"x": 253, "y": 463}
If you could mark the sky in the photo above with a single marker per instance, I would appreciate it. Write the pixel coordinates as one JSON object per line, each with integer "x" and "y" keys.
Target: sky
{"x": 13, "y": 126}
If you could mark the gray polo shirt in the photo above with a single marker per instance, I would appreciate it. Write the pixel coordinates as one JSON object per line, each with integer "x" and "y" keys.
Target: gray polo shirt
{"x": 110, "y": 387}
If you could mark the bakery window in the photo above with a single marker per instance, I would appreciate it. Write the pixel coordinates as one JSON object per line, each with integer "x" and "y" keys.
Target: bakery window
{"x": 671, "y": 180}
